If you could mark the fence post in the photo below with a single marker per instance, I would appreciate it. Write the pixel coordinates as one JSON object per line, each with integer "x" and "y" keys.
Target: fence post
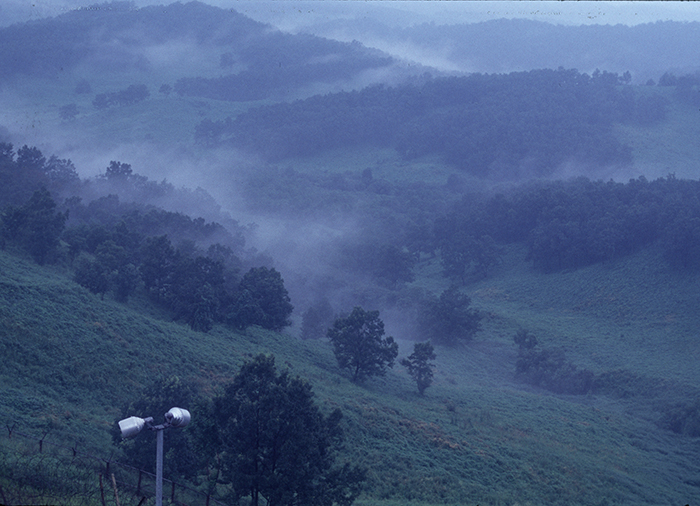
{"x": 138, "y": 485}
{"x": 114, "y": 484}
{"x": 2, "y": 496}
{"x": 41, "y": 441}
{"x": 172, "y": 494}
{"x": 102, "y": 491}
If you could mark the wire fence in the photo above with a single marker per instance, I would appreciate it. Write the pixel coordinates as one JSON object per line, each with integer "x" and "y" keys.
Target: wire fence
{"x": 35, "y": 471}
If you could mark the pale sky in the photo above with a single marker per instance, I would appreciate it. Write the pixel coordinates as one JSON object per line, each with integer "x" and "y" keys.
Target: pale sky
{"x": 292, "y": 14}
{"x": 470, "y": 11}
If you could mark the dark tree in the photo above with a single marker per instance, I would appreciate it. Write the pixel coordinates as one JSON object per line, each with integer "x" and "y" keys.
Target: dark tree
{"x": 30, "y": 160}
{"x": 393, "y": 265}
{"x": 550, "y": 369}
{"x": 456, "y": 255}
{"x": 36, "y": 226}
{"x": 244, "y": 311}
{"x": 419, "y": 366}
{"x": 157, "y": 265}
{"x": 61, "y": 172}
{"x": 524, "y": 340}
{"x": 486, "y": 254}
{"x": 124, "y": 281}
{"x": 91, "y": 274}
{"x": 266, "y": 302}
{"x": 197, "y": 291}
{"x": 118, "y": 171}
{"x": 359, "y": 345}
{"x": 276, "y": 447}
{"x": 449, "y": 319}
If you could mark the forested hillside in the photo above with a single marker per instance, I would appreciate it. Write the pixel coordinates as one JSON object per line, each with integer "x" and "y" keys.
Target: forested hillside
{"x": 94, "y": 39}
{"x": 503, "y": 126}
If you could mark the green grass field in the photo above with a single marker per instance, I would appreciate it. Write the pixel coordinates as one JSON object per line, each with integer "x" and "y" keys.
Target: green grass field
{"x": 71, "y": 360}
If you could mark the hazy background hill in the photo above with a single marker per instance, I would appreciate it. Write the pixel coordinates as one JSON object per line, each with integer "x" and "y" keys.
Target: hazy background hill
{"x": 507, "y": 45}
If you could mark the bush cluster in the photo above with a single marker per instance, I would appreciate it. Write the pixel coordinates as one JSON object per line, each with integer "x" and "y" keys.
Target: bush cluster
{"x": 131, "y": 95}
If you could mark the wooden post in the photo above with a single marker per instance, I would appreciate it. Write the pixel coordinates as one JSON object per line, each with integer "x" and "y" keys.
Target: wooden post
{"x": 138, "y": 485}
{"x": 114, "y": 484}
{"x": 102, "y": 491}
{"x": 2, "y": 496}
{"x": 41, "y": 441}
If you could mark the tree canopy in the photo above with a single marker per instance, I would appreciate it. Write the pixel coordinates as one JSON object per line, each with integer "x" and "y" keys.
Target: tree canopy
{"x": 359, "y": 345}
{"x": 448, "y": 319}
{"x": 276, "y": 445}
{"x": 419, "y": 366}
{"x": 497, "y": 125}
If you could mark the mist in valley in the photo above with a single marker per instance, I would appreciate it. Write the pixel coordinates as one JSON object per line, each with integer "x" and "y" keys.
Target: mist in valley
{"x": 304, "y": 237}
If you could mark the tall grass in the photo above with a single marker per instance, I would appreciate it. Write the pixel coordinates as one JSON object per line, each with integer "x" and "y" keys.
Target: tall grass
{"x": 72, "y": 360}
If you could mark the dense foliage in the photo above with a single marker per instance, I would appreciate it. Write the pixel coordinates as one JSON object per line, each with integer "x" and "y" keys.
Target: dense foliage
{"x": 121, "y": 248}
{"x": 581, "y": 222}
{"x": 419, "y": 365}
{"x": 448, "y": 319}
{"x": 103, "y": 34}
{"x": 502, "y": 126}
{"x": 275, "y": 446}
{"x": 360, "y": 346}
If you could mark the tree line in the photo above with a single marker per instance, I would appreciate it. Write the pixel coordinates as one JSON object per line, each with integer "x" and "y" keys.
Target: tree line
{"x": 577, "y": 223}
{"x": 122, "y": 248}
{"x": 498, "y": 125}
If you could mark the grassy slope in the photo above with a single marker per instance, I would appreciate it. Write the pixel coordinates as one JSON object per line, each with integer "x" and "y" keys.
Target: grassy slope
{"x": 477, "y": 436}
{"x": 71, "y": 359}
{"x": 670, "y": 147}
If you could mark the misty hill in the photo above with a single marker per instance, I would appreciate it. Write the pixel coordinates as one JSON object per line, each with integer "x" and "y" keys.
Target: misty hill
{"x": 499, "y": 126}
{"x": 201, "y": 81}
{"x": 646, "y": 50}
{"x": 252, "y": 60}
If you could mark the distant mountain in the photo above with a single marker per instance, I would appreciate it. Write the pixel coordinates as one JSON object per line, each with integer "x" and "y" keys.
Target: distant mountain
{"x": 506, "y": 45}
{"x": 218, "y": 53}
{"x": 115, "y": 33}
